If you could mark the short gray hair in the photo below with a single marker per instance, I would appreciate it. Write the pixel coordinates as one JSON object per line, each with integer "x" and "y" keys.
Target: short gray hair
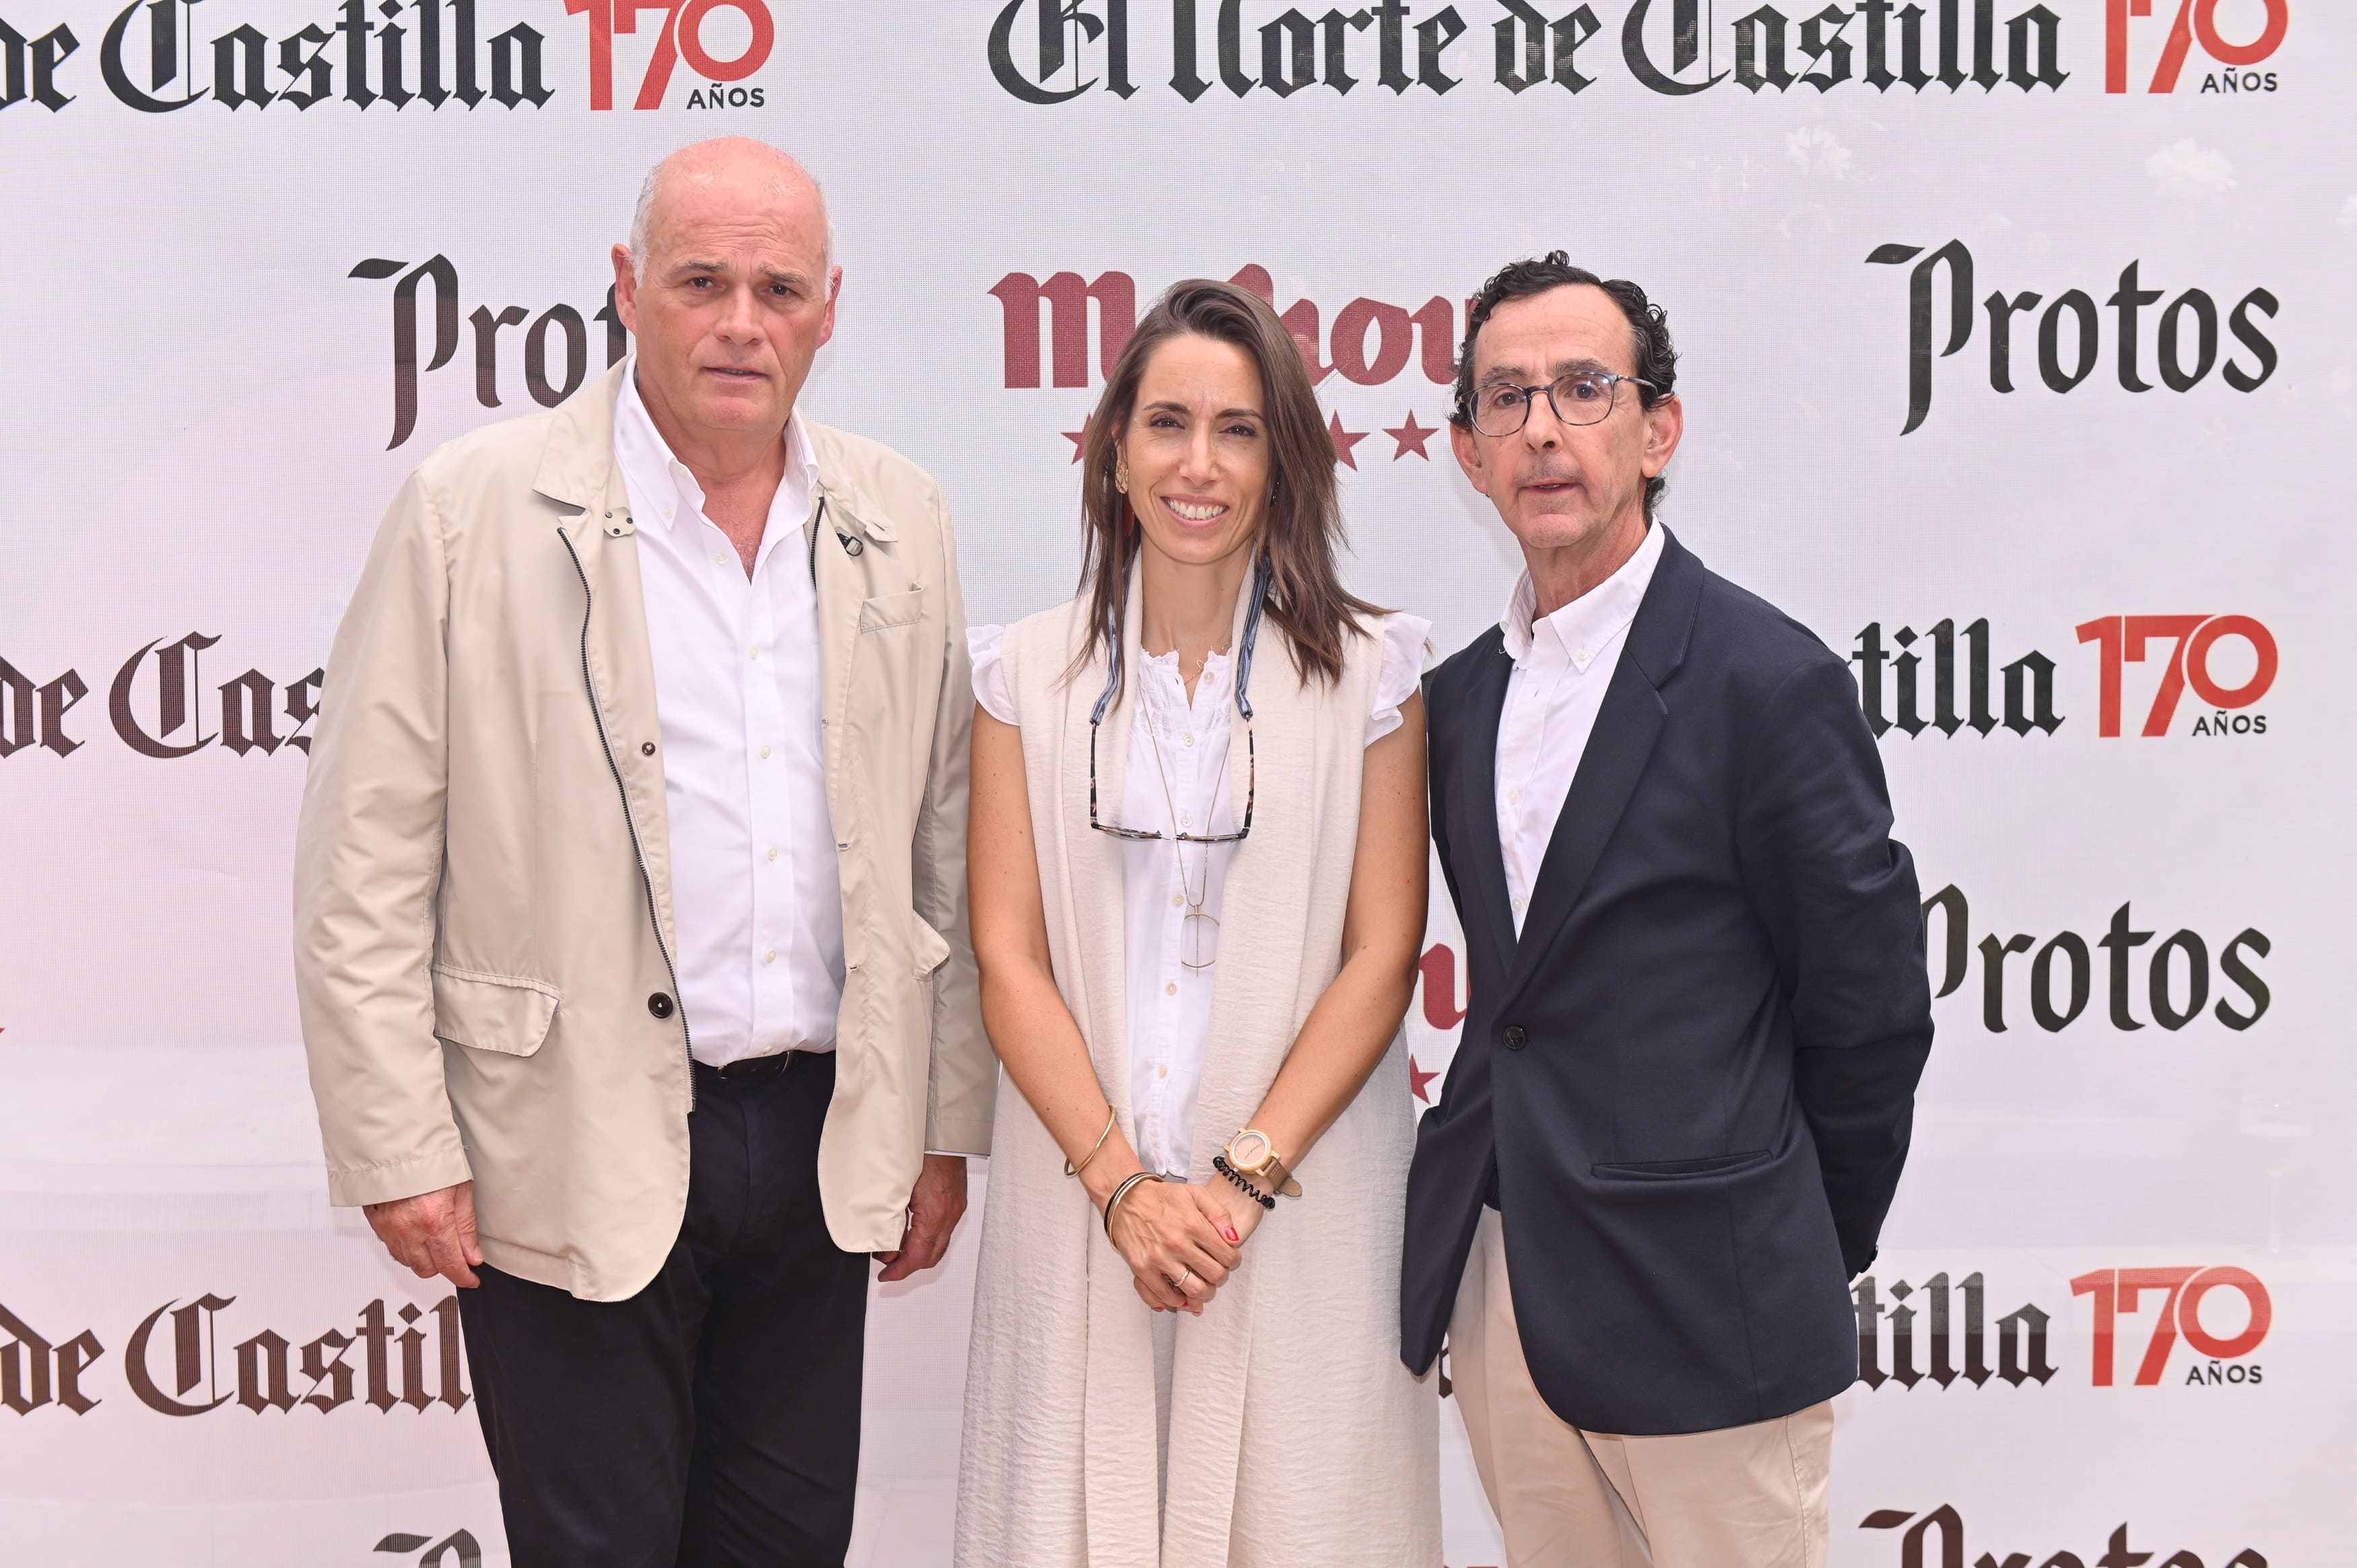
{"x": 642, "y": 216}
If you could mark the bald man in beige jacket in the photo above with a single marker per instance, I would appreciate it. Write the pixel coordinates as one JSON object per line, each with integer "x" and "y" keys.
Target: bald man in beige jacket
{"x": 634, "y": 971}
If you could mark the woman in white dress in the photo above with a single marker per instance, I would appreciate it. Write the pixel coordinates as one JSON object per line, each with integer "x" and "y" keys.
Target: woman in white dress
{"x": 1198, "y": 888}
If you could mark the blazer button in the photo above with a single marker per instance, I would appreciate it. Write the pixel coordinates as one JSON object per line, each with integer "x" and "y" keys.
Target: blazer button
{"x": 658, "y": 1004}
{"x": 1514, "y": 1039}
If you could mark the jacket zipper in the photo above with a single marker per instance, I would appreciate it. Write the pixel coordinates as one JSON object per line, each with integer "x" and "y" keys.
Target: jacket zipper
{"x": 645, "y": 876}
{"x": 817, "y": 523}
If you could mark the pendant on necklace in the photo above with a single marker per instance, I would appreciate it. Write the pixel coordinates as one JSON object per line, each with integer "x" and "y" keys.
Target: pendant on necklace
{"x": 1199, "y": 939}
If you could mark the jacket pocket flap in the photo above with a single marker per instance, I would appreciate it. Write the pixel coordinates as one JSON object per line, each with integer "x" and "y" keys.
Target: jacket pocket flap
{"x": 931, "y": 950}
{"x": 892, "y": 609}
{"x": 1678, "y": 1170}
{"x": 492, "y": 1013}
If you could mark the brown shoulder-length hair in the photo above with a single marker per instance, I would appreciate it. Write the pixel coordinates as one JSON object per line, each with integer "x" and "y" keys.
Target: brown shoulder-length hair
{"x": 1302, "y": 525}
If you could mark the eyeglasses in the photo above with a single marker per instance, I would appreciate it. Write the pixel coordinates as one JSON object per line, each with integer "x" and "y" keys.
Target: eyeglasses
{"x": 1252, "y": 781}
{"x": 1244, "y": 708}
{"x": 1583, "y": 397}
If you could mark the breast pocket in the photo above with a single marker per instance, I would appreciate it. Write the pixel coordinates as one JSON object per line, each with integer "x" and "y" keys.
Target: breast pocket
{"x": 886, "y": 612}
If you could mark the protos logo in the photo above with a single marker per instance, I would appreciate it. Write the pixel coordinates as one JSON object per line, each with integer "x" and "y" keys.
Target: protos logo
{"x": 2197, "y": 19}
{"x": 679, "y": 34}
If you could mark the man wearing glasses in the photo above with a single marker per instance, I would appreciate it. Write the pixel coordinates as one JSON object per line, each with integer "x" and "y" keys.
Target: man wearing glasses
{"x": 1698, "y": 1005}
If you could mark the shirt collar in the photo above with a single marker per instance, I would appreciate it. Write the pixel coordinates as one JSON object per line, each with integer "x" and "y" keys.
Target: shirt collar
{"x": 647, "y": 461}
{"x": 1588, "y": 624}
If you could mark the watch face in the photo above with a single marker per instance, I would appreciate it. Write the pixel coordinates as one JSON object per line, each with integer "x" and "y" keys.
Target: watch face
{"x": 1248, "y": 1151}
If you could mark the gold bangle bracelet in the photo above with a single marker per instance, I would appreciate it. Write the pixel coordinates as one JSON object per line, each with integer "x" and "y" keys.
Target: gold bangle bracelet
{"x": 1128, "y": 1183}
{"x": 1072, "y": 1169}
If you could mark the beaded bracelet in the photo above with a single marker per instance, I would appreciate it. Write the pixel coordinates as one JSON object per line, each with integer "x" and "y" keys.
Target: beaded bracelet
{"x": 1219, "y": 1164}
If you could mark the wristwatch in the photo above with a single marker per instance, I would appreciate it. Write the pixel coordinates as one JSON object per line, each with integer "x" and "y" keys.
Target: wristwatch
{"x": 1255, "y": 1157}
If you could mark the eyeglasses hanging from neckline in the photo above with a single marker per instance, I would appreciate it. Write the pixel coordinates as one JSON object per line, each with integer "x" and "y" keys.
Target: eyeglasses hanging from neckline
{"x": 1261, "y": 574}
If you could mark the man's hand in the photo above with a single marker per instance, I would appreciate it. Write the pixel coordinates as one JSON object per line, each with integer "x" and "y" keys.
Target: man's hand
{"x": 935, "y": 1206}
{"x": 434, "y": 1233}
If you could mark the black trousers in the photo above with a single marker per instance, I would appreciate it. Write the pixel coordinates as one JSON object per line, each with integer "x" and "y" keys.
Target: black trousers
{"x": 712, "y": 1420}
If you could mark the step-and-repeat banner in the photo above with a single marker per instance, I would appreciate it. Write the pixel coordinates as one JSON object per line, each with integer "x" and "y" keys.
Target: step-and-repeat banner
{"x": 2019, "y": 364}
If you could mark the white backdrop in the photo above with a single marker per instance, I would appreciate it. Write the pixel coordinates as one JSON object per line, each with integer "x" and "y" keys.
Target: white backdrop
{"x": 201, "y": 1364}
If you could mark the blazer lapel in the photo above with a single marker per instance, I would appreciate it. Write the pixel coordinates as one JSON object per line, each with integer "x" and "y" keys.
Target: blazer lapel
{"x": 1626, "y": 726}
{"x": 1484, "y": 858}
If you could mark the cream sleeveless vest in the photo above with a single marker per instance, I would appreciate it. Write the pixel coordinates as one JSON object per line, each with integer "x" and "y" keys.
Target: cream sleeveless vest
{"x": 1297, "y": 1437}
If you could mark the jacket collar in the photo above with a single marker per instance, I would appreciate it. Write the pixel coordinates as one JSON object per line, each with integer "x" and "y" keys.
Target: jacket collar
{"x": 1627, "y": 727}
{"x": 576, "y": 462}
{"x": 577, "y": 468}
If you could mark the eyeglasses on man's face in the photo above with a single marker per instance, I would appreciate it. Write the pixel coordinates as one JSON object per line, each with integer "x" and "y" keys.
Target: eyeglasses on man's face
{"x": 1581, "y": 397}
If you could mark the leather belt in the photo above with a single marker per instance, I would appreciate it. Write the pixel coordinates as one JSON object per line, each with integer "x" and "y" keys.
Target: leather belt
{"x": 753, "y": 1069}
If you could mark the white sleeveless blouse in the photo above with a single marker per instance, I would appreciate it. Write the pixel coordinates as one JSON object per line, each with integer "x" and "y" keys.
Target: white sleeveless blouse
{"x": 1177, "y": 781}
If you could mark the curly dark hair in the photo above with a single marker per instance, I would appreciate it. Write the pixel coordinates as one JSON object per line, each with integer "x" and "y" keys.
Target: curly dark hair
{"x": 1649, "y": 326}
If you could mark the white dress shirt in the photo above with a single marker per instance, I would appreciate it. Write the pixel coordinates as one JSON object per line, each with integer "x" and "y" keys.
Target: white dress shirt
{"x": 1563, "y": 663}
{"x": 755, "y": 892}
{"x": 1170, "y": 1003}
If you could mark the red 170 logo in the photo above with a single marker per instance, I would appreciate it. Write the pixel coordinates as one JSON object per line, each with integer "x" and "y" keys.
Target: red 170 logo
{"x": 680, "y": 36}
{"x": 2194, "y": 19}
{"x": 2118, "y": 1290}
{"x": 2124, "y": 640}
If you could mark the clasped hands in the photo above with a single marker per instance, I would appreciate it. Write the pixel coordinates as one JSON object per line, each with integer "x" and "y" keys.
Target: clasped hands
{"x": 1182, "y": 1239}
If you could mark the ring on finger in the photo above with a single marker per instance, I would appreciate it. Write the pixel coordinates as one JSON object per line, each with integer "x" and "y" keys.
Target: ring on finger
{"x": 1180, "y": 1283}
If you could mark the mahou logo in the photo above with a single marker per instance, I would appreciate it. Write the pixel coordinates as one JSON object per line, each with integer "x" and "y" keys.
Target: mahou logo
{"x": 2195, "y": 22}
{"x": 1052, "y": 51}
{"x": 1367, "y": 342}
{"x": 1943, "y": 680}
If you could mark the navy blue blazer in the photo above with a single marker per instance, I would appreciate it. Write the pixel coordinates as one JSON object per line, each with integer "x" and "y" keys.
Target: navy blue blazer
{"x": 1689, "y": 1084}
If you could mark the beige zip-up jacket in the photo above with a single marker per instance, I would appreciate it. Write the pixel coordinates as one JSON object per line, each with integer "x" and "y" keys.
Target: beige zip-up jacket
{"x": 483, "y": 925}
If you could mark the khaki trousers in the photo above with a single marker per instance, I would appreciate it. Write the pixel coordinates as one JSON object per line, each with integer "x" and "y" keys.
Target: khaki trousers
{"x": 1746, "y": 1496}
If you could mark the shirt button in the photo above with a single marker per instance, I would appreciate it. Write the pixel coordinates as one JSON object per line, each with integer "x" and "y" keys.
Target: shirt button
{"x": 1175, "y": 901}
{"x": 1162, "y": 1071}
{"x": 773, "y": 851}
{"x": 1191, "y": 740}
{"x": 764, "y": 751}
{"x": 1514, "y": 797}
{"x": 719, "y": 558}
{"x": 1186, "y": 821}
{"x": 770, "y": 957}
{"x": 1580, "y": 654}
{"x": 756, "y": 653}
{"x": 1170, "y": 988}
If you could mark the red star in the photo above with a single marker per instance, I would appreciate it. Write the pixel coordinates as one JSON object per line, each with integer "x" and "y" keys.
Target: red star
{"x": 1417, "y": 1078}
{"x": 1080, "y": 436}
{"x": 1412, "y": 437}
{"x": 1343, "y": 439}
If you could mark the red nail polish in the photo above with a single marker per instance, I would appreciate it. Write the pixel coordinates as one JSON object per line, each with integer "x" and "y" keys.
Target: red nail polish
{"x": 1233, "y": 1240}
